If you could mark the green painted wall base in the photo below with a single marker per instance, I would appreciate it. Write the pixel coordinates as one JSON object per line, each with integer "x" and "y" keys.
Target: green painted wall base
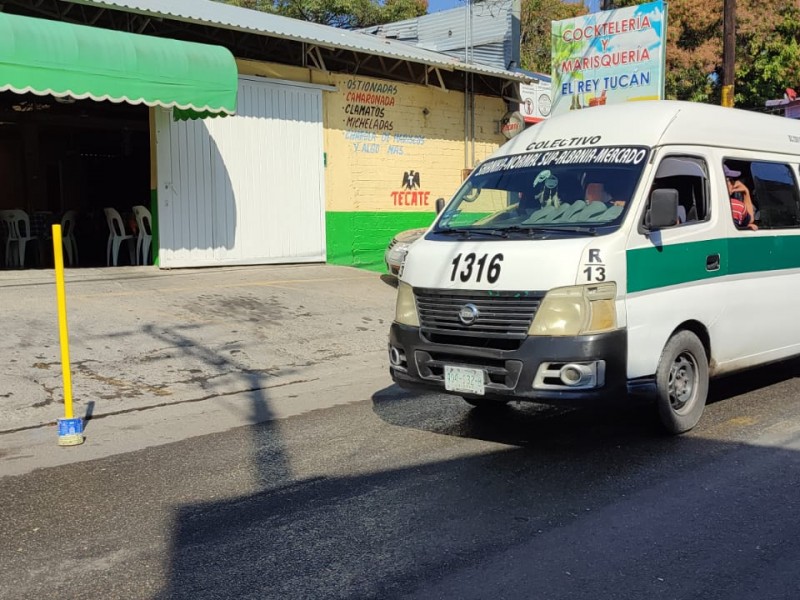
{"x": 359, "y": 239}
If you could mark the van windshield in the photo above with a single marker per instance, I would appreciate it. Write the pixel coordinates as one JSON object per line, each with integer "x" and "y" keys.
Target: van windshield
{"x": 576, "y": 191}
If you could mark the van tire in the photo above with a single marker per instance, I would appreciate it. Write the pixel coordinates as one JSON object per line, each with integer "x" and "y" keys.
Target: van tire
{"x": 682, "y": 382}
{"x": 485, "y": 404}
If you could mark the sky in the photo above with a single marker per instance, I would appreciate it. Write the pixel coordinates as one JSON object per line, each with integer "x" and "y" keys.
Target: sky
{"x": 437, "y": 5}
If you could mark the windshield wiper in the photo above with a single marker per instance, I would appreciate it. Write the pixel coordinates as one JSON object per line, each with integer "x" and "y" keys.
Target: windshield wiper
{"x": 467, "y": 231}
{"x": 504, "y": 232}
{"x": 511, "y": 229}
{"x": 537, "y": 229}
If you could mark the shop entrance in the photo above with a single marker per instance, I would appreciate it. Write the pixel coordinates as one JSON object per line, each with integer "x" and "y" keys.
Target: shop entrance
{"x": 60, "y": 155}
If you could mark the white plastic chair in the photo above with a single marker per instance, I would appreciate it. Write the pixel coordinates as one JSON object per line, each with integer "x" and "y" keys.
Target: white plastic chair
{"x": 18, "y": 226}
{"x": 116, "y": 235}
{"x": 68, "y": 237}
{"x": 145, "y": 237}
{"x": 5, "y": 236}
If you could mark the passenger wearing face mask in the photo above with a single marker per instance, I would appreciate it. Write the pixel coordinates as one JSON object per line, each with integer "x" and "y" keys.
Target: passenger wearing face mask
{"x": 742, "y": 208}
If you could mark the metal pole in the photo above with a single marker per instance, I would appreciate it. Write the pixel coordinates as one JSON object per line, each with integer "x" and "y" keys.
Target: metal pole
{"x": 728, "y": 51}
{"x": 70, "y": 429}
{"x": 467, "y": 164}
{"x": 471, "y": 95}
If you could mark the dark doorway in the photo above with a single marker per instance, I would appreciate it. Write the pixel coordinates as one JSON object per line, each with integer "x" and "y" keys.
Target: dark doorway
{"x": 59, "y": 155}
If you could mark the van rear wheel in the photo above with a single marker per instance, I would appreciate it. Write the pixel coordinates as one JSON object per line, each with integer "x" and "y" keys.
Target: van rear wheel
{"x": 682, "y": 382}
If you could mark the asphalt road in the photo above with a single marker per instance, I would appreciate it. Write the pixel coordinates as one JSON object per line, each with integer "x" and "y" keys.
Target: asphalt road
{"x": 402, "y": 496}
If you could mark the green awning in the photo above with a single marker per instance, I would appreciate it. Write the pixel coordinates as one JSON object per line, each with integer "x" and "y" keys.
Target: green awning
{"x": 60, "y": 59}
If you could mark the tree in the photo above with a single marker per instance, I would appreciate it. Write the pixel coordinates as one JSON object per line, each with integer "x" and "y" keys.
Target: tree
{"x": 767, "y": 46}
{"x": 347, "y": 14}
{"x": 767, "y": 57}
{"x": 535, "y": 25}
{"x": 769, "y": 43}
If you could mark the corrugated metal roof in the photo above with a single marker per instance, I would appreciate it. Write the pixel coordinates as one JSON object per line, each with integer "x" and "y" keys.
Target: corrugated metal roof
{"x": 445, "y": 31}
{"x": 207, "y": 12}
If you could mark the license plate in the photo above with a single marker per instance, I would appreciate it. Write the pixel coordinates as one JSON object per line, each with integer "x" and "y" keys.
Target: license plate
{"x": 463, "y": 379}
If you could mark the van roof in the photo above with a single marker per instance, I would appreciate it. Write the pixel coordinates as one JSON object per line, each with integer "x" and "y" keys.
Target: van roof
{"x": 660, "y": 122}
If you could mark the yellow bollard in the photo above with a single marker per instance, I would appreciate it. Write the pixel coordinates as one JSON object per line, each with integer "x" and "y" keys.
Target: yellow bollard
{"x": 70, "y": 429}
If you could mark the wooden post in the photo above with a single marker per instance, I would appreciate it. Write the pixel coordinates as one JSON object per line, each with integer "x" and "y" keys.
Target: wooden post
{"x": 728, "y": 52}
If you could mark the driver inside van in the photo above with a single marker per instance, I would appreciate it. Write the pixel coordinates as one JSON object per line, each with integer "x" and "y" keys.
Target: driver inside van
{"x": 595, "y": 190}
{"x": 528, "y": 202}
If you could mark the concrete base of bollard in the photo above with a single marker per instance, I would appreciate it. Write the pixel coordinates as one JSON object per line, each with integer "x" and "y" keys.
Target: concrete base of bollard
{"x": 70, "y": 432}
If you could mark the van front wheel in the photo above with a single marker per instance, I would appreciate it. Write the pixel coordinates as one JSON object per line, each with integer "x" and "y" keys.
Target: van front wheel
{"x": 682, "y": 382}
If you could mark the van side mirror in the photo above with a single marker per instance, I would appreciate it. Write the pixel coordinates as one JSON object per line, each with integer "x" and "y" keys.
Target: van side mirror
{"x": 439, "y": 205}
{"x": 662, "y": 210}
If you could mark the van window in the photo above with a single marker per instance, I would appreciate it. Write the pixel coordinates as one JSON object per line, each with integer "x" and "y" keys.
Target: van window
{"x": 570, "y": 190}
{"x": 775, "y": 195}
{"x": 689, "y": 176}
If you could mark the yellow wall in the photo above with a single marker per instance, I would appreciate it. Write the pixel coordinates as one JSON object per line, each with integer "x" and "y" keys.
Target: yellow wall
{"x": 377, "y": 133}
{"x": 401, "y": 128}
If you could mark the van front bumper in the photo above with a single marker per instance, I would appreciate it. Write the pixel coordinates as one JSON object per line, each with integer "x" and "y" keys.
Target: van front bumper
{"x": 529, "y": 372}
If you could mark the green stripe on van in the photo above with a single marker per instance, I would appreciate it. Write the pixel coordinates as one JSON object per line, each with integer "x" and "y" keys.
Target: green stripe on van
{"x": 675, "y": 264}
{"x": 749, "y": 255}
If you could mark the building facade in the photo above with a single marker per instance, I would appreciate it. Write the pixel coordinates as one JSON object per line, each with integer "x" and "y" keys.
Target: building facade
{"x": 338, "y": 140}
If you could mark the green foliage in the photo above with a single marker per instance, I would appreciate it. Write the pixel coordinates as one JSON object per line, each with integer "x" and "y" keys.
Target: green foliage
{"x": 767, "y": 44}
{"x": 562, "y": 50}
{"x": 768, "y": 62}
{"x": 348, "y": 14}
{"x": 535, "y": 20}
{"x": 398, "y": 10}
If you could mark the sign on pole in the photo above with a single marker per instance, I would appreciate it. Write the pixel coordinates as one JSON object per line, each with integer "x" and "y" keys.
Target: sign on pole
{"x": 536, "y": 101}
{"x": 609, "y": 57}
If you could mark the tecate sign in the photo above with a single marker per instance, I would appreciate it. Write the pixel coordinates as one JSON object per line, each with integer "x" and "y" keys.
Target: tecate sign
{"x": 511, "y": 124}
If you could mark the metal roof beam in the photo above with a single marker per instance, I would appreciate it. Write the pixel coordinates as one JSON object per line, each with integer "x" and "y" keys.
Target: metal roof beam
{"x": 315, "y": 54}
{"x": 438, "y": 74}
{"x": 510, "y": 92}
{"x": 397, "y": 65}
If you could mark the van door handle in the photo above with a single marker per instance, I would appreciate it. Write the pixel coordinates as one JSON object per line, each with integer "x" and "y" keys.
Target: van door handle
{"x": 712, "y": 262}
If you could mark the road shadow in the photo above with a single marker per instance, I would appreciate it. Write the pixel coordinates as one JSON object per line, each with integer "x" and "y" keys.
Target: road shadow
{"x": 390, "y": 280}
{"x": 525, "y": 425}
{"x": 421, "y": 496}
{"x": 528, "y": 424}
{"x": 413, "y": 497}
{"x": 744, "y": 382}
{"x": 577, "y": 509}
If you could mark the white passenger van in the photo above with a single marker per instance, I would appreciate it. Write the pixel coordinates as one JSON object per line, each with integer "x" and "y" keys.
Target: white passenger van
{"x": 595, "y": 255}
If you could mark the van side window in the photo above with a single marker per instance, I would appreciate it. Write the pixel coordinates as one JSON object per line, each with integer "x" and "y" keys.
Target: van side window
{"x": 689, "y": 176}
{"x": 775, "y": 195}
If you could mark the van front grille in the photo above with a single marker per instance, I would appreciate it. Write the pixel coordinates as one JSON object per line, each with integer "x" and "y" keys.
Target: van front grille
{"x": 498, "y": 315}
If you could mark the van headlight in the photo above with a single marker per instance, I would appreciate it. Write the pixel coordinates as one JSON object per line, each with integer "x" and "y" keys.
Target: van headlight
{"x": 577, "y": 310}
{"x": 406, "y": 309}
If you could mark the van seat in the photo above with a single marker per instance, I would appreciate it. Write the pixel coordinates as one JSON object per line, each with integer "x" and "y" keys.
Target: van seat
{"x": 591, "y": 210}
{"x": 569, "y": 210}
{"x": 554, "y": 215}
{"x": 611, "y": 213}
{"x": 540, "y": 214}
